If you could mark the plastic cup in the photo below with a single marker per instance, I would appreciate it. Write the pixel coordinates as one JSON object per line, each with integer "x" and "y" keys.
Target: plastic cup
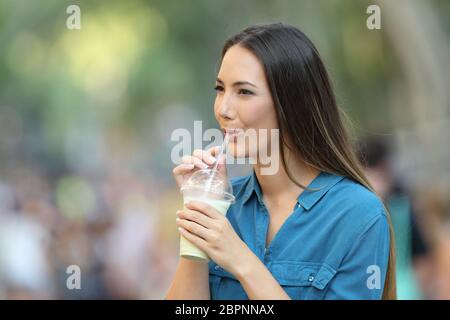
{"x": 211, "y": 187}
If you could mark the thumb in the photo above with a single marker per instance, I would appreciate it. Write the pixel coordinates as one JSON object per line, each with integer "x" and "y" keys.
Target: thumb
{"x": 221, "y": 159}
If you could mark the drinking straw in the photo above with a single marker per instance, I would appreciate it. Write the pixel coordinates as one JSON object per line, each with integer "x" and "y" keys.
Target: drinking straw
{"x": 214, "y": 169}
{"x": 222, "y": 149}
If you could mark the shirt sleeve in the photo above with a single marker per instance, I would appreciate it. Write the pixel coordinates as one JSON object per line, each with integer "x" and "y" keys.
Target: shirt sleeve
{"x": 362, "y": 273}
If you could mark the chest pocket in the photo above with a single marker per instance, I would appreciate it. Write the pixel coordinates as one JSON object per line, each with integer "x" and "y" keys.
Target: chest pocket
{"x": 223, "y": 285}
{"x": 303, "y": 280}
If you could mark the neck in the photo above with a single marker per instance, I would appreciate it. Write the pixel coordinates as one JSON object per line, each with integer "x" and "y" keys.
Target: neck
{"x": 280, "y": 186}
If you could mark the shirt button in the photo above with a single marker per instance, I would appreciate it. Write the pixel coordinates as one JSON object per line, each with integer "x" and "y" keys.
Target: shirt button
{"x": 311, "y": 278}
{"x": 216, "y": 267}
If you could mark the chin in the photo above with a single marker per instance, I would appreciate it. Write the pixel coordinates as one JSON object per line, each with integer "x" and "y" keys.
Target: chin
{"x": 238, "y": 151}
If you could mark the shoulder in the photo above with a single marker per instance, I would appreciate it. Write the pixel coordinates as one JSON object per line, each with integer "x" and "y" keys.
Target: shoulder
{"x": 358, "y": 196}
{"x": 355, "y": 204}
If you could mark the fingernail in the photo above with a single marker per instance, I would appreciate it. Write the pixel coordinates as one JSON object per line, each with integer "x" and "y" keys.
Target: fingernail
{"x": 179, "y": 229}
{"x": 211, "y": 159}
{"x": 204, "y": 166}
{"x": 177, "y": 219}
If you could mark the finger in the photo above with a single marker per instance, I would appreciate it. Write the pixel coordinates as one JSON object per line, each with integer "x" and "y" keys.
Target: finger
{"x": 214, "y": 151}
{"x": 204, "y": 208}
{"x": 197, "y": 217}
{"x": 221, "y": 158}
{"x": 204, "y": 156}
{"x": 195, "y": 240}
{"x": 183, "y": 168}
{"x": 194, "y": 228}
{"x": 194, "y": 160}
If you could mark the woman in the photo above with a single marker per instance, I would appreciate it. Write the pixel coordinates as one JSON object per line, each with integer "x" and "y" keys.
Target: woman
{"x": 313, "y": 230}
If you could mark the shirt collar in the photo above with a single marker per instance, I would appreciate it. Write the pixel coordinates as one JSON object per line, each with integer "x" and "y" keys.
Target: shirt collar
{"x": 322, "y": 183}
{"x": 307, "y": 199}
{"x": 252, "y": 187}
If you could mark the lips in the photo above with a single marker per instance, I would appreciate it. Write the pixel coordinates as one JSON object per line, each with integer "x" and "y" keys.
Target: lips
{"x": 233, "y": 131}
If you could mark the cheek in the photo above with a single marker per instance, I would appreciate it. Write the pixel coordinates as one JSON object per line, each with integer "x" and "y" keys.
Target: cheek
{"x": 255, "y": 115}
{"x": 259, "y": 114}
{"x": 216, "y": 109}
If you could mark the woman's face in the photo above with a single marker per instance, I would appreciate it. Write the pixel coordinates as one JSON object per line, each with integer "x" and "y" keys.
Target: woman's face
{"x": 244, "y": 101}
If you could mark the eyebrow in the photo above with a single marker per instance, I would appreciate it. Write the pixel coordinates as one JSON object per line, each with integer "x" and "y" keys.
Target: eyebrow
{"x": 238, "y": 83}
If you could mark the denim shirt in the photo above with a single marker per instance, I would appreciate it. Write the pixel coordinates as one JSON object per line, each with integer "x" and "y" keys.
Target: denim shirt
{"x": 334, "y": 244}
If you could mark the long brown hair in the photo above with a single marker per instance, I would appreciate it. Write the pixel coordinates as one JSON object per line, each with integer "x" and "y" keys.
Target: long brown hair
{"x": 310, "y": 121}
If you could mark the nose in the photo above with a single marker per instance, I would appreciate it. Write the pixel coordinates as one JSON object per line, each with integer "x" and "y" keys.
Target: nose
{"x": 226, "y": 109}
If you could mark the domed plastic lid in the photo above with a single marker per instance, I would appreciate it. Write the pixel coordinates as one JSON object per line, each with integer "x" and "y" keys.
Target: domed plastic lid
{"x": 209, "y": 181}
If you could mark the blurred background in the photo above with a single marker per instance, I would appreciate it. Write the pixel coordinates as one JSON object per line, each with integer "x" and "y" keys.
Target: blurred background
{"x": 86, "y": 118}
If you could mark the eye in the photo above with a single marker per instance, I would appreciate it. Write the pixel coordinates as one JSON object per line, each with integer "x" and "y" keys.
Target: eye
{"x": 218, "y": 88}
{"x": 245, "y": 92}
